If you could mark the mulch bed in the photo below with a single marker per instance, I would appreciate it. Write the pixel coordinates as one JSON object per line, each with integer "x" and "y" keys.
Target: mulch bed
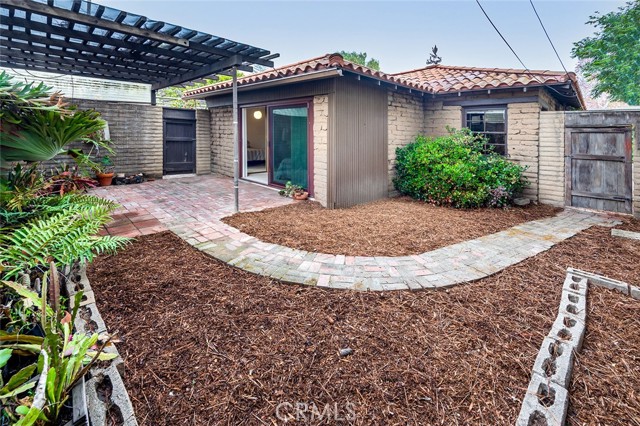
{"x": 605, "y": 386}
{"x": 390, "y": 227}
{"x": 205, "y": 343}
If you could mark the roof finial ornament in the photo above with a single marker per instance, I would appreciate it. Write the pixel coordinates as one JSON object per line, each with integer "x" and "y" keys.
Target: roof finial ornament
{"x": 434, "y": 59}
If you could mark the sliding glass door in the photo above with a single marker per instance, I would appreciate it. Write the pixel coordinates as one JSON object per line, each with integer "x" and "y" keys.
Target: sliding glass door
{"x": 288, "y": 153}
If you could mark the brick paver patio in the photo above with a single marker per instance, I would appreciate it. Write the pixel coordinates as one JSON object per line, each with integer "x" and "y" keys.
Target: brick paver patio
{"x": 192, "y": 208}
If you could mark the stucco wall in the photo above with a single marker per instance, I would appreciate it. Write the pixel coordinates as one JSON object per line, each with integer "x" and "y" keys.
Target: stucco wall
{"x": 320, "y": 147}
{"x": 551, "y": 161}
{"x": 203, "y": 142}
{"x": 136, "y": 133}
{"x": 405, "y": 121}
{"x": 222, "y": 140}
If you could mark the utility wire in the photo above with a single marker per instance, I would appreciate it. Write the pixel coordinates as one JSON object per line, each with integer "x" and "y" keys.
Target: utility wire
{"x": 549, "y": 38}
{"x": 527, "y": 70}
{"x": 501, "y": 36}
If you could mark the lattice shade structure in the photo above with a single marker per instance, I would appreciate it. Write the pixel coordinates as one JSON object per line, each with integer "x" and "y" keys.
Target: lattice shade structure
{"x": 81, "y": 38}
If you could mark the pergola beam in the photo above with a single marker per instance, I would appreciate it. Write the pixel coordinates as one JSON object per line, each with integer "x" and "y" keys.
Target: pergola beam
{"x": 203, "y": 71}
{"x": 9, "y": 48}
{"x": 91, "y": 21}
{"x": 71, "y": 33}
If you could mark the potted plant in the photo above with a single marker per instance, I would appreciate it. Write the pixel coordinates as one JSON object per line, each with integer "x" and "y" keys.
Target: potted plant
{"x": 294, "y": 191}
{"x": 104, "y": 171}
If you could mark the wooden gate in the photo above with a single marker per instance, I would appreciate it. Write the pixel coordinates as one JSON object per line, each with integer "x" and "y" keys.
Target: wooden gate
{"x": 179, "y": 141}
{"x": 599, "y": 168}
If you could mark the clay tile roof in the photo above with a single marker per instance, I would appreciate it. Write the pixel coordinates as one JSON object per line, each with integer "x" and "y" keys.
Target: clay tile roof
{"x": 446, "y": 78}
{"x": 431, "y": 79}
{"x": 319, "y": 63}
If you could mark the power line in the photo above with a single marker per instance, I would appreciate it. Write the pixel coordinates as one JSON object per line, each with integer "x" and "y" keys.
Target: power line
{"x": 526, "y": 69}
{"x": 549, "y": 38}
{"x": 501, "y": 36}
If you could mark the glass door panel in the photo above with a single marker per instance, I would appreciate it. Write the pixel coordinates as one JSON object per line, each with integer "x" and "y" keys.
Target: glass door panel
{"x": 289, "y": 148}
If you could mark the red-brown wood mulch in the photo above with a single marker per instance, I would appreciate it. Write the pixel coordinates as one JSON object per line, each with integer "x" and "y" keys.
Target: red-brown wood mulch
{"x": 389, "y": 227}
{"x": 207, "y": 344}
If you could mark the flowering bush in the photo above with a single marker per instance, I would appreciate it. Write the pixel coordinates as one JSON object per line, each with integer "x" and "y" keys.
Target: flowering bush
{"x": 457, "y": 170}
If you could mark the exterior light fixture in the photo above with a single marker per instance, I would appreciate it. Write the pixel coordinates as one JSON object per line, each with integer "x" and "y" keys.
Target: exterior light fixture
{"x": 257, "y": 115}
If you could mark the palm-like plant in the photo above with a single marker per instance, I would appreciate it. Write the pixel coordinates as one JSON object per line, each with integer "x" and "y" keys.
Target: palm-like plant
{"x": 35, "y": 125}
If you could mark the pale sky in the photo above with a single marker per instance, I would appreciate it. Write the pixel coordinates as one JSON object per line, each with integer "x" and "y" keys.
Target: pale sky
{"x": 399, "y": 34}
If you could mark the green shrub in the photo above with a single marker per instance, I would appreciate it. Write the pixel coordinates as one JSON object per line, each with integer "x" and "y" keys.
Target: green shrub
{"x": 457, "y": 170}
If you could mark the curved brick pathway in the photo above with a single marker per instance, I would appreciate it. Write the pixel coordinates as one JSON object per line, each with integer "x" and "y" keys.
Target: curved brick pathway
{"x": 193, "y": 207}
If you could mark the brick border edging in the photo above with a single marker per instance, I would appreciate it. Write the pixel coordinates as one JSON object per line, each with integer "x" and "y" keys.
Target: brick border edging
{"x": 547, "y": 397}
{"x": 437, "y": 269}
{"x": 89, "y": 321}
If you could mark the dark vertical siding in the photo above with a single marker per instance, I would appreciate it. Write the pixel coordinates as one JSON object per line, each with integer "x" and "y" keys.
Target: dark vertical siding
{"x": 360, "y": 144}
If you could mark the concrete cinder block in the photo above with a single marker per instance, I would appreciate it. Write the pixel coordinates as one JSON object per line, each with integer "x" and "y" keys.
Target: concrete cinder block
{"x": 573, "y": 304}
{"x": 544, "y": 401}
{"x": 568, "y": 329}
{"x": 625, "y": 234}
{"x": 575, "y": 284}
{"x": 89, "y": 320}
{"x": 601, "y": 281}
{"x": 555, "y": 361}
{"x": 634, "y": 292}
{"x": 107, "y": 399}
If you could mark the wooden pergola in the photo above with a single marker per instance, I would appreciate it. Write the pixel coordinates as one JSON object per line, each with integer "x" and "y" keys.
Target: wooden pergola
{"x": 82, "y": 38}
{"x": 77, "y": 37}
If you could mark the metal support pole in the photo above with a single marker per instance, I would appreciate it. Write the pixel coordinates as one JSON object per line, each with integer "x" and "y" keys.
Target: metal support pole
{"x": 236, "y": 161}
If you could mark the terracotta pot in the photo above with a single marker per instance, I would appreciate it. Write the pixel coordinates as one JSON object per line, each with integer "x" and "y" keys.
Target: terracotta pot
{"x": 300, "y": 195}
{"x": 105, "y": 179}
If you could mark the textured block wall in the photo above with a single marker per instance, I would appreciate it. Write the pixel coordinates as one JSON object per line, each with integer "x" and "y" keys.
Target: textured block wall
{"x": 203, "y": 141}
{"x": 405, "y": 120}
{"x": 222, "y": 140}
{"x": 523, "y": 127}
{"x": 136, "y": 133}
{"x": 320, "y": 147}
{"x": 551, "y": 162}
{"x": 437, "y": 117}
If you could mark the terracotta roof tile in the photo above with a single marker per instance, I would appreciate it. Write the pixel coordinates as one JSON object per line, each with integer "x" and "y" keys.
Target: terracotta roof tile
{"x": 315, "y": 64}
{"x": 432, "y": 79}
{"x": 445, "y": 78}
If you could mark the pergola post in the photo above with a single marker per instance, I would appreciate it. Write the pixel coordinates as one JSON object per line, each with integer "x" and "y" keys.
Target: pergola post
{"x": 236, "y": 160}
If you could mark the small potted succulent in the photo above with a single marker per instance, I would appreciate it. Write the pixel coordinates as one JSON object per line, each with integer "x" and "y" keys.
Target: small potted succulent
{"x": 104, "y": 171}
{"x": 294, "y": 191}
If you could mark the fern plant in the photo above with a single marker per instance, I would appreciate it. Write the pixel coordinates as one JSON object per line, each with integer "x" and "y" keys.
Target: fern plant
{"x": 65, "y": 236}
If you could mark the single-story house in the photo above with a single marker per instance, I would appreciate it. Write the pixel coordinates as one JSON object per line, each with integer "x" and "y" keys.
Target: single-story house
{"x": 333, "y": 126}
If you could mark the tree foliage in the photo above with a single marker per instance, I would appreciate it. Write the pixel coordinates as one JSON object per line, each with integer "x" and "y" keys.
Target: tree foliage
{"x": 360, "y": 58}
{"x": 612, "y": 56}
{"x": 172, "y": 96}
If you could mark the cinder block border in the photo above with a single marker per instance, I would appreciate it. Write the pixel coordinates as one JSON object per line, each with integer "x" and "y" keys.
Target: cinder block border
{"x": 547, "y": 397}
{"x": 105, "y": 393}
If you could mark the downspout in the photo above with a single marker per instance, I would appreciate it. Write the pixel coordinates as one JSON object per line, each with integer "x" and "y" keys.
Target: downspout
{"x": 236, "y": 161}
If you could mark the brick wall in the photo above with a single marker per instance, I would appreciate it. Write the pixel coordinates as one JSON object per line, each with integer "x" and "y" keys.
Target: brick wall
{"x": 523, "y": 126}
{"x": 136, "y": 133}
{"x": 203, "y": 141}
{"x": 551, "y": 166}
{"x": 437, "y": 117}
{"x": 320, "y": 145}
{"x": 222, "y": 140}
{"x": 405, "y": 121}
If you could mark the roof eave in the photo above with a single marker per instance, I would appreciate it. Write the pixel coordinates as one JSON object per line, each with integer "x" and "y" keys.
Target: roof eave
{"x": 314, "y": 75}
